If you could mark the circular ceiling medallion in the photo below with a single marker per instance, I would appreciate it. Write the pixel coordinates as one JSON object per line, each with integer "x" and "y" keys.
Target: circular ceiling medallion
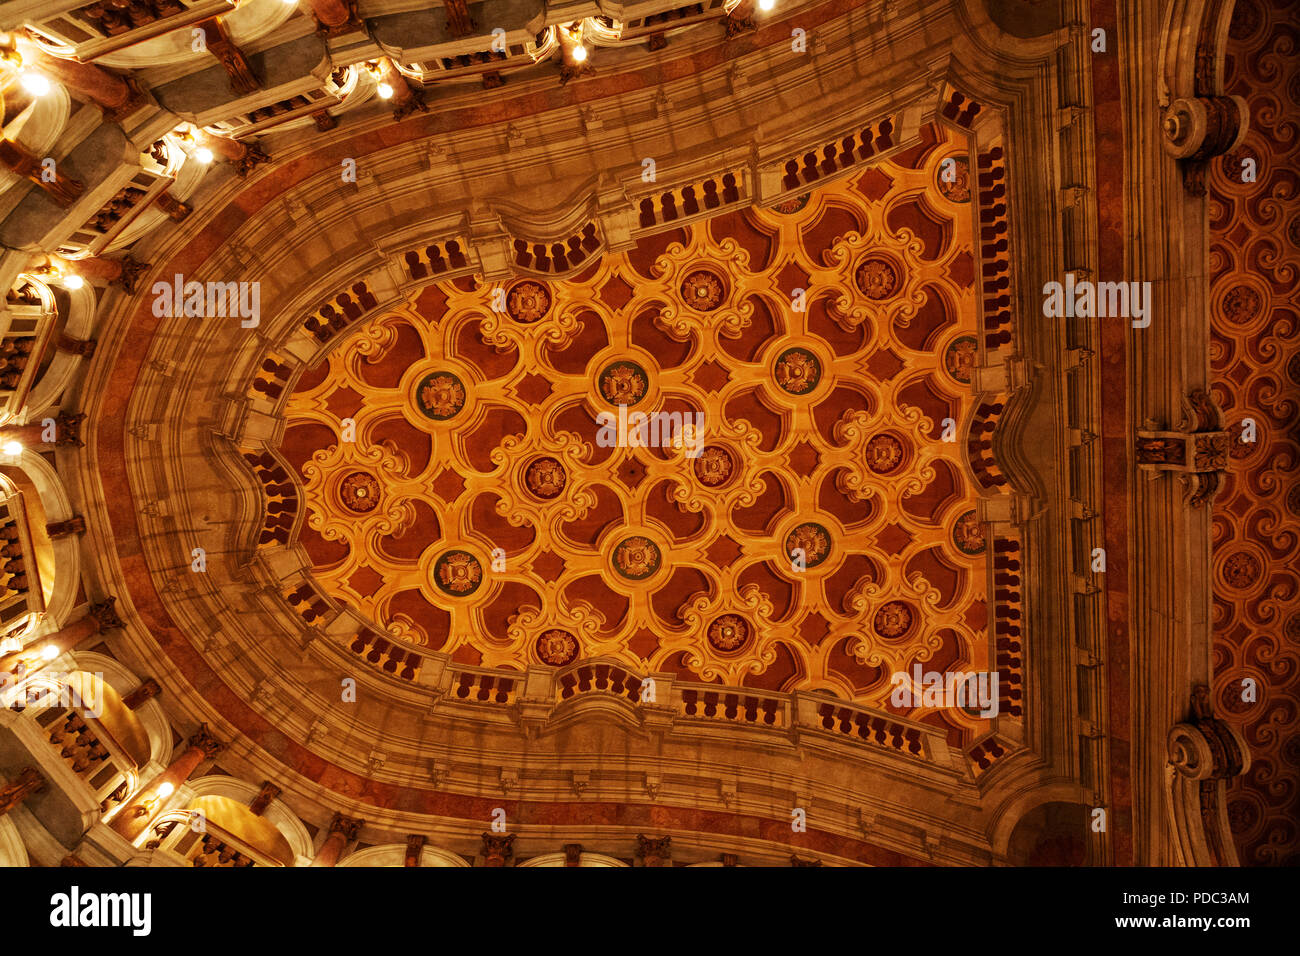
{"x": 893, "y": 620}
{"x": 884, "y": 454}
{"x": 636, "y": 558}
{"x": 557, "y": 647}
{"x": 703, "y": 289}
{"x": 457, "y": 573}
{"x": 968, "y": 534}
{"x": 728, "y": 633}
{"x": 359, "y": 492}
{"x": 440, "y": 395}
{"x": 1241, "y": 570}
{"x": 960, "y": 357}
{"x": 715, "y": 466}
{"x": 953, "y": 179}
{"x": 623, "y": 383}
{"x": 813, "y": 540}
{"x": 528, "y": 301}
{"x": 789, "y": 207}
{"x": 545, "y": 478}
{"x": 1242, "y": 304}
{"x": 877, "y": 277}
{"x": 797, "y": 371}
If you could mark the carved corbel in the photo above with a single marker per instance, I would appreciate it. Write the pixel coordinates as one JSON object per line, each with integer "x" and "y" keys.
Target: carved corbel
{"x": 1199, "y": 121}
{"x": 230, "y": 56}
{"x": 1204, "y": 753}
{"x": 1197, "y": 450}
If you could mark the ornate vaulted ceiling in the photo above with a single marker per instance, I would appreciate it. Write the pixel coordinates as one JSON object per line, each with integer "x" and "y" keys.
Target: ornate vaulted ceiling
{"x": 824, "y": 412}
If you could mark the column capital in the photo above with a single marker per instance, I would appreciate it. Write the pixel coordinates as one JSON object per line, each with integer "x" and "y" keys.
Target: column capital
{"x": 654, "y": 851}
{"x": 105, "y": 614}
{"x": 349, "y": 827}
{"x": 414, "y": 844}
{"x": 498, "y": 848}
{"x": 204, "y": 741}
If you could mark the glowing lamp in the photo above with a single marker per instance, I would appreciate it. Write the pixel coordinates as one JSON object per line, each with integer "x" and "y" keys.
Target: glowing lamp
{"x": 35, "y": 84}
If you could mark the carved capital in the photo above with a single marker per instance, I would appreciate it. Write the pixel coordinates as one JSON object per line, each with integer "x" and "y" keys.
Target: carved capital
{"x": 414, "y": 844}
{"x": 105, "y": 614}
{"x": 498, "y": 848}
{"x": 349, "y": 827}
{"x": 654, "y": 851}
{"x": 253, "y": 156}
{"x": 740, "y": 19}
{"x": 67, "y": 429}
{"x": 205, "y": 742}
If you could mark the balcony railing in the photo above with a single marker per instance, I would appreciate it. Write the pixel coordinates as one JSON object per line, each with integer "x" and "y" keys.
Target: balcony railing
{"x": 21, "y": 598}
{"x": 26, "y": 324}
{"x": 209, "y": 845}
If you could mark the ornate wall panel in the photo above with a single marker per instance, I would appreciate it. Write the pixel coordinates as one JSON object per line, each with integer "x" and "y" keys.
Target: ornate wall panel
{"x": 1255, "y": 235}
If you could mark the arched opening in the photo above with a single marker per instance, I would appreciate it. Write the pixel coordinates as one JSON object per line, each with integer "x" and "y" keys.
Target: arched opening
{"x": 217, "y": 831}
{"x": 1051, "y": 834}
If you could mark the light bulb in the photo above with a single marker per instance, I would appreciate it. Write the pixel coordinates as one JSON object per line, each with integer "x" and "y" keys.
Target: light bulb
{"x": 203, "y": 154}
{"x": 73, "y": 281}
{"x": 766, "y": 4}
{"x": 579, "y": 53}
{"x": 49, "y": 652}
{"x": 385, "y": 91}
{"x": 35, "y": 84}
{"x": 166, "y": 789}
{"x": 13, "y": 449}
